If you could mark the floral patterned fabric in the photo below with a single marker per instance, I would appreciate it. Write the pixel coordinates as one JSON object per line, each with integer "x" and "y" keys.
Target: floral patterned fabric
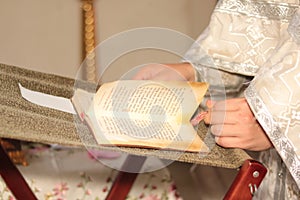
{"x": 69, "y": 173}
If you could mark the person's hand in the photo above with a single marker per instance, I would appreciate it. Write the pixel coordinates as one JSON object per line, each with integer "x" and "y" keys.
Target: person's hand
{"x": 166, "y": 72}
{"x": 234, "y": 125}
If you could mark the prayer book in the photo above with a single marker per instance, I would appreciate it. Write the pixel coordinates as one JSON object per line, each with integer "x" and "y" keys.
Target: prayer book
{"x": 143, "y": 113}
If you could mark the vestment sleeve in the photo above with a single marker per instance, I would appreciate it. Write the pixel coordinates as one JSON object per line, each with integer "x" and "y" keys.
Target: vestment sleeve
{"x": 251, "y": 39}
{"x": 274, "y": 97}
{"x": 239, "y": 39}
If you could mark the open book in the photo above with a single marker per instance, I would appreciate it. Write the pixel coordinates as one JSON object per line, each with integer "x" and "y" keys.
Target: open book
{"x": 138, "y": 113}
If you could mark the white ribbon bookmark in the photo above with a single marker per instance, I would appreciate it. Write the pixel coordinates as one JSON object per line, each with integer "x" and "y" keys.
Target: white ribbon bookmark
{"x": 46, "y": 100}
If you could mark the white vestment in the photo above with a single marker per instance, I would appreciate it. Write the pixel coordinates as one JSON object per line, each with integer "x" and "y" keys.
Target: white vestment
{"x": 260, "y": 39}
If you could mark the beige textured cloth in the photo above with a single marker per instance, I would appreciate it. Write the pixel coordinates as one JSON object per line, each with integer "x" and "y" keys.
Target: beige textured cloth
{"x": 26, "y": 121}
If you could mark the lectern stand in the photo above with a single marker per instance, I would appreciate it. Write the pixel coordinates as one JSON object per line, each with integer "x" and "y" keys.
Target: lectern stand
{"x": 23, "y": 120}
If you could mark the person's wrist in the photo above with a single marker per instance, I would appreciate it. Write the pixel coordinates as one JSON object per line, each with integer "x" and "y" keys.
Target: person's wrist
{"x": 190, "y": 72}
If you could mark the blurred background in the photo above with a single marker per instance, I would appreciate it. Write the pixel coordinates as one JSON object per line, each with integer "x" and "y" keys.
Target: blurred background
{"x": 47, "y": 35}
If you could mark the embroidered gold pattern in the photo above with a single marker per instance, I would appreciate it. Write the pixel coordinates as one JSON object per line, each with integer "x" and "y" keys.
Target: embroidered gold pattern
{"x": 260, "y": 9}
{"x": 89, "y": 40}
{"x": 280, "y": 141}
{"x": 240, "y": 68}
{"x": 294, "y": 27}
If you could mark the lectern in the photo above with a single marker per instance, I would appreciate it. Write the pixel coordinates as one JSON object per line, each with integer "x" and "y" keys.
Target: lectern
{"x": 23, "y": 120}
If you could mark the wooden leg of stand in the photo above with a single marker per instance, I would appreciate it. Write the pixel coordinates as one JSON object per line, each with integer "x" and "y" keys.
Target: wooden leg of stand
{"x": 124, "y": 180}
{"x": 13, "y": 178}
{"x": 247, "y": 181}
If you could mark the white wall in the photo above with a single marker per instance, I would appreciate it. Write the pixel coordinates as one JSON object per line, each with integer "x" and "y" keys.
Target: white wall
{"x": 45, "y": 35}
{"x": 42, "y": 35}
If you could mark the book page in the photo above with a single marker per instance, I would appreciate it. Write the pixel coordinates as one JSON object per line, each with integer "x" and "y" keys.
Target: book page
{"x": 146, "y": 110}
{"x": 82, "y": 100}
{"x": 140, "y": 98}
